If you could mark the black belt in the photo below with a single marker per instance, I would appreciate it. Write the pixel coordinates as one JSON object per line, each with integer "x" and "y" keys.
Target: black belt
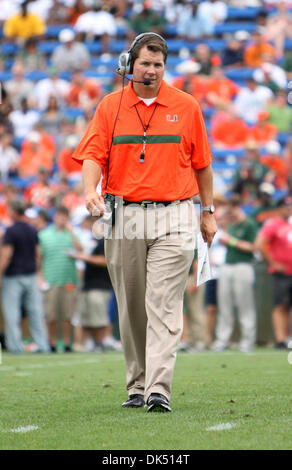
{"x": 154, "y": 204}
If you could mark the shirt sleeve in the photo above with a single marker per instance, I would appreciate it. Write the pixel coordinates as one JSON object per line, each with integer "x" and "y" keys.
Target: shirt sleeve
{"x": 94, "y": 145}
{"x": 267, "y": 231}
{"x": 201, "y": 151}
{"x": 8, "y": 238}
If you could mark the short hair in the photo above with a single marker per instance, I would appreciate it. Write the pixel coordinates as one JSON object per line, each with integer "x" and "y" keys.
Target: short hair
{"x": 62, "y": 210}
{"x": 154, "y": 43}
{"x": 235, "y": 200}
{"x": 18, "y": 206}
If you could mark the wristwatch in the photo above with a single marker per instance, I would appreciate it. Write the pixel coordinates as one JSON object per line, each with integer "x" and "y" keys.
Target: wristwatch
{"x": 210, "y": 209}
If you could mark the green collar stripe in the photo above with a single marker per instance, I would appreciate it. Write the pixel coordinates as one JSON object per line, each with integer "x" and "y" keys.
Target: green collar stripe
{"x": 150, "y": 139}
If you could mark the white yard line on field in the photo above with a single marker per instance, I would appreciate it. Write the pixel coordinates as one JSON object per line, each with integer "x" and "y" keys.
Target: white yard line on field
{"x": 221, "y": 427}
{"x": 22, "y": 429}
{"x": 43, "y": 365}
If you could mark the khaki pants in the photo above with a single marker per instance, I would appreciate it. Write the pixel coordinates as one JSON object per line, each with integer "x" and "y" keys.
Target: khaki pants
{"x": 149, "y": 275}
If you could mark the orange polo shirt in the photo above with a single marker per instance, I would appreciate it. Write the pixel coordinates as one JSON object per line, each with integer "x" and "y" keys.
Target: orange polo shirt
{"x": 176, "y": 144}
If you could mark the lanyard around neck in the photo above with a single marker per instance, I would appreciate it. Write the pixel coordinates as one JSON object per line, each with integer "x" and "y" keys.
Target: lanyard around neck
{"x": 145, "y": 128}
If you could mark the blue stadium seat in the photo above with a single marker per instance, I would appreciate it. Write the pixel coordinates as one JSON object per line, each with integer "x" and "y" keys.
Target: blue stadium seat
{"x": 240, "y": 74}
{"x": 9, "y": 48}
{"x": 47, "y": 47}
{"x": 4, "y": 76}
{"x": 243, "y": 13}
{"x": 283, "y": 138}
{"x": 223, "y": 154}
{"x": 73, "y": 113}
{"x": 231, "y": 28}
{"x": 36, "y": 75}
{"x": 54, "y": 30}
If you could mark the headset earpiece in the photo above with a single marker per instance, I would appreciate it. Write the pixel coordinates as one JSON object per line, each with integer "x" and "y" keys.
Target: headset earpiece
{"x": 125, "y": 65}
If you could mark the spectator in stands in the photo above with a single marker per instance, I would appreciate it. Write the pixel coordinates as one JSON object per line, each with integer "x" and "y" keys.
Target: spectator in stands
{"x": 270, "y": 74}
{"x": 274, "y": 243}
{"x": 8, "y": 194}
{"x": 287, "y": 152}
{"x": 252, "y": 99}
{"x": 24, "y": 25}
{"x": 236, "y": 281}
{"x": 34, "y": 156}
{"x": 264, "y": 205}
{"x": 263, "y": 131}
{"x": 189, "y": 81}
{"x": 250, "y": 174}
{"x": 232, "y": 56}
{"x": 280, "y": 113}
{"x": 51, "y": 86}
{"x": 70, "y": 54}
{"x": 204, "y": 57}
{"x": 23, "y": 119}
{"x": 52, "y": 117}
{"x": 220, "y": 90}
{"x": 97, "y": 24}
{"x": 191, "y": 25}
{"x": 9, "y": 157}
{"x": 18, "y": 87}
{"x": 18, "y": 265}
{"x": 68, "y": 167}
{"x": 58, "y": 13}
{"x": 74, "y": 199}
{"x": 40, "y": 193}
{"x": 279, "y": 26}
{"x": 146, "y": 20}
{"x": 287, "y": 65}
{"x": 59, "y": 272}
{"x": 77, "y": 8}
{"x": 278, "y": 166}
{"x": 30, "y": 57}
{"x": 96, "y": 292}
{"x": 230, "y": 140}
{"x": 214, "y": 11}
{"x": 83, "y": 92}
{"x": 254, "y": 53}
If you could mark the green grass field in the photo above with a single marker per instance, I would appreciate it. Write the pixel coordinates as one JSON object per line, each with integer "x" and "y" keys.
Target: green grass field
{"x": 74, "y": 402}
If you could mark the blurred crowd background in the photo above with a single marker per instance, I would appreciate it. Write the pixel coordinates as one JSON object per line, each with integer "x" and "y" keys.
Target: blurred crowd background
{"x": 57, "y": 61}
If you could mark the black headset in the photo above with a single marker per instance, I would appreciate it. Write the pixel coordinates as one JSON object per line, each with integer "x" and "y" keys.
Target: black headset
{"x": 126, "y": 61}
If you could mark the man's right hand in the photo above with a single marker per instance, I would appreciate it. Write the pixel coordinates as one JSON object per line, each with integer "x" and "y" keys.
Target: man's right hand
{"x": 95, "y": 204}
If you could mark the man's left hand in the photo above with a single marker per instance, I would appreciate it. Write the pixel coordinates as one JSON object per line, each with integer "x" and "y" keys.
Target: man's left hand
{"x": 208, "y": 227}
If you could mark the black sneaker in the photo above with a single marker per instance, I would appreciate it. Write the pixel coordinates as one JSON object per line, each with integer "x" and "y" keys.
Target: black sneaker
{"x": 281, "y": 345}
{"x": 158, "y": 402}
{"x": 134, "y": 401}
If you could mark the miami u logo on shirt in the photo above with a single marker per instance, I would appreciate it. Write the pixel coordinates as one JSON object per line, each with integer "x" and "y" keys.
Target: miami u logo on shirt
{"x": 174, "y": 119}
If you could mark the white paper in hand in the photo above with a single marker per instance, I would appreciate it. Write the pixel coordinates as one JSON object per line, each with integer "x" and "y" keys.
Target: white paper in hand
{"x": 204, "y": 268}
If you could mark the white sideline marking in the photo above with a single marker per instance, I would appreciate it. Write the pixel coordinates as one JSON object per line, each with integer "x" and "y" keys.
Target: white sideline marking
{"x": 23, "y": 429}
{"x": 51, "y": 364}
{"x": 22, "y": 374}
{"x": 221, "y": 427}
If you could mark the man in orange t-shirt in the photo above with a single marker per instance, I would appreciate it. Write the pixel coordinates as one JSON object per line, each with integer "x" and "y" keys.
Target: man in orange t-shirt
{"x": 255, "y": 52}
{"x": 219, "y": 89}
{"x": 68, "y": 167}
{"x": 150, "y": 143}
{"x": 34, "y": 156}
{"x": 189, "y": 82}
{"x": 230, "y": 133}
{"x": 83, "y": 92}
{"x": 263, "y": 131}
{"x": 277, "y": 164}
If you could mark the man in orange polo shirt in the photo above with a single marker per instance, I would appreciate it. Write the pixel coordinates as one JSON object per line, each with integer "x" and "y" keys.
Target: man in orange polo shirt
{"x": 149, "y": 142}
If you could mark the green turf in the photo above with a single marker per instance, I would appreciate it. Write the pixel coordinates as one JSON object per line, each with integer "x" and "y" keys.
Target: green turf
{"x": 75, "y": 400}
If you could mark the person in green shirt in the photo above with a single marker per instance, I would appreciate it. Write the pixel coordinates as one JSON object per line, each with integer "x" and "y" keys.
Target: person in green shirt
{"x": 280, "y": 113}
{"x": 147, "y": 20}
{"x": 59, "y": 275}
{"x": 236, "y": 280}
